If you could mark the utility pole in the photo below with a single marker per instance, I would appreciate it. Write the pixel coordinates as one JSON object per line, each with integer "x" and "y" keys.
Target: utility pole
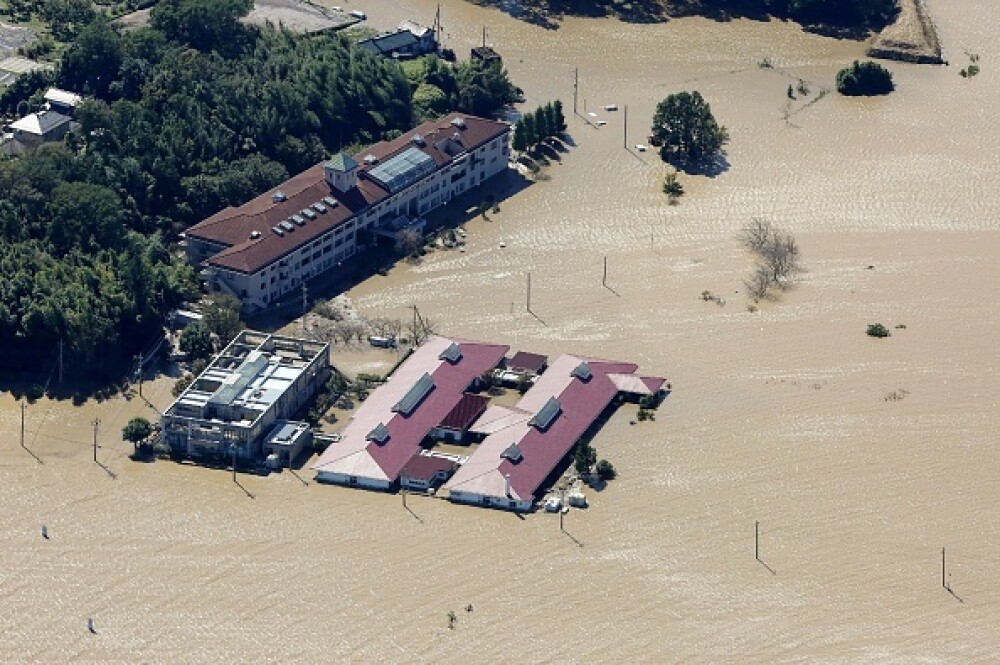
{"x": 625, "y": 138}
{"x": 604, "y": 280}
{"x": 232, "y": 447}
{"x": 484, "y": 36}
{"x": 437, "y": 25}
{"x": 756, "y": 540}
{"x": 23, "y": 406}
{"x": 576, "y": 86}
{"x": 528, "y": 299}
{"x": 944, "y": 580}
{"x": 60, "y": 360}
{"x": 96, "y": 424}
{"x": 305, "y": 306}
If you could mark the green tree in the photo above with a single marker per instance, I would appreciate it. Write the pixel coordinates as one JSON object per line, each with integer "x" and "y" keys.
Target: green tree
{"x": 66, "y": 17}
{"x": 519, "y": 143}
{"x": 560, "y": 119}
{"x": 196, "y": 341}
{"x": 204, "y": 24}
{"x": 672, "y": 187}
{"x": 429, "y": 101}
{"x": 91, "y": 63}
{"x": 137, "y": 430}
{"x": 542, "y": 128}
{"x": 864, "y": 78}
{"x": 584, "y": 458}
{"x": 222, "y": 317}
{"x": 606, "y": 470}
{"x": 685, "y": 128}
{"x": 530, "y": 129}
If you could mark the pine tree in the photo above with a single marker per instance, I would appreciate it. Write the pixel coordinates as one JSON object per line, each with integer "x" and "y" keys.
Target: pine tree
{"x": 551, "y": 126}
{"x": 560, "y": 118}
{"x": 541, "y": 124}
{"x": 530, "y": 129}
{"x": 520, "y": 143}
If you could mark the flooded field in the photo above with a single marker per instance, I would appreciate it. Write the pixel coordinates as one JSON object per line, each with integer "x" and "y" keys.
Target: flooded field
{"x": 860, "y": 458}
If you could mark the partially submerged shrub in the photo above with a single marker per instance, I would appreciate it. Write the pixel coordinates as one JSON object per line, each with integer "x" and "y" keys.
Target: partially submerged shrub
{"x": 877, "y": 330}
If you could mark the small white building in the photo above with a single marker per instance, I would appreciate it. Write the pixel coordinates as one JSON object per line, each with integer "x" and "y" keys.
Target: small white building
{"x": 63, "y": 101}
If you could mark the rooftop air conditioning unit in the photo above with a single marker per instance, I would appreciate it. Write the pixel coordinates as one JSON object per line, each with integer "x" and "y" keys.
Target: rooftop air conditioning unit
{"x": 419, "y": 140}
{"x": 278, "y": 197}
{"x": 308, "y": 212}
{"x": 278, "y": 230}
{"x": 254, "y": 235}
{"x": 459, "y": 122}
{"x": 371, "y": 159}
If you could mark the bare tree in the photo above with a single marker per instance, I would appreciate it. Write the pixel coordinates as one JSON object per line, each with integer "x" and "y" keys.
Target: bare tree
{"x": 343, "y": 330}
{"x": 778, "y": 254}
{"x": 757, "y": 234}
{"x": 781, "y": 256}
{"x": 409, "y": 242}
{"x": 420, "y": 329}
{"x": 758, "y": 283}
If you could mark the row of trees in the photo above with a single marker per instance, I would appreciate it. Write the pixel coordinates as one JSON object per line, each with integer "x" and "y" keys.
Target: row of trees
{"x": 185, "y": 117}
{"x": 543, "y": 123}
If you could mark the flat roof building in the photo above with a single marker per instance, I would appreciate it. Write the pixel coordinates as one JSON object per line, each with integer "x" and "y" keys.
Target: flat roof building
{"x": 309, "y": 224}
{"x": 388, "y": 428}
{"x": 525, "y": 443}
{"x": 257, "y": 380}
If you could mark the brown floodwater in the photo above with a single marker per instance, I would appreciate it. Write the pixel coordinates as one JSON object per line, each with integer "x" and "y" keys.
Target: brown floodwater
{"x": 860, "y": 458}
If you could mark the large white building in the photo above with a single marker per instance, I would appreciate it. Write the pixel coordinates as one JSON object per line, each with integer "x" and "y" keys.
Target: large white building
{"x": 309, "y": 224}
{"x": 243, "y": 397}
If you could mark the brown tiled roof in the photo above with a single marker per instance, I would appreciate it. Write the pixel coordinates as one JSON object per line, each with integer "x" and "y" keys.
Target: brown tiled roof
{"x": 465, "y": 412}
{"x": 531, "y": 362}
{"x": 233, "y": 226}
{"x": 423, "y": 467}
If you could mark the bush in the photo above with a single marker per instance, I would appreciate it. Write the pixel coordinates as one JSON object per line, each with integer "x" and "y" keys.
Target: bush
{"x": 864, "y": 78}
{"x": 606, "y": 470}
{"x": 35, "y": 392}
{"x": 877, "y": 330}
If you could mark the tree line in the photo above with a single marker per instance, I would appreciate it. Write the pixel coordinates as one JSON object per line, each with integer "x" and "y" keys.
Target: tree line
{"x": 184, "y": 117}
{"x": 545, "y": 122}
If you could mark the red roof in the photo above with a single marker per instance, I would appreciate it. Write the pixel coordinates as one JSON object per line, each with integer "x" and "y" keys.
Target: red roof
{"x": 232, "y": 227}
{"x": 450, "y": 382}
{"x": 542, "y": 450}
{"x": 423, "y": 467}
{"x": 529, "y": 362}
{"x": 465, "y": 412}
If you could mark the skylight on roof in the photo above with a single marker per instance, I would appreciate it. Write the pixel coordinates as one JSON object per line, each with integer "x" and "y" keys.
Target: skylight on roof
{"x": 582, "y": 372}
{"x": 379, "y": 434}
{"x": 512, "y": 453}
{"x": 546, "y": 415}
{"x": 452, "y": 354}
{"x": 403, "y": 170}
{"x": 415, "y": 395}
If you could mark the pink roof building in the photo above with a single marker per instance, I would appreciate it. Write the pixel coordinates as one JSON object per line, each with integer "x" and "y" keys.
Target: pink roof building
{"x": 525, "y": 443}
{"x": 389, "y": 426}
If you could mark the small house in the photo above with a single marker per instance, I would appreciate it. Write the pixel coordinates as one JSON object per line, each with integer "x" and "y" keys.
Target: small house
{"x": 37, "y": 128}
{"x": 527, "y": 364}
{"x": 425, "y": 471}
{"x": 455, "y": 426}
{"x": 63, "y": 101}
{"x": 486, "y": 55}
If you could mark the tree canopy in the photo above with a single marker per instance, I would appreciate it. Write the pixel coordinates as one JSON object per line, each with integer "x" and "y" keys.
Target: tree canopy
{"x": 175, "y": 127}
{"x": 864, "y": 78}
{"x": 685, "y": 128}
